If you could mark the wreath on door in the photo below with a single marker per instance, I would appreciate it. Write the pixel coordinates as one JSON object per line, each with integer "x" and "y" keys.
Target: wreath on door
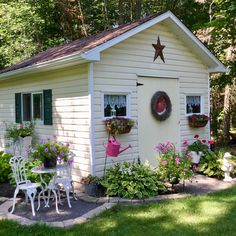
{"x": 161, "y": 106}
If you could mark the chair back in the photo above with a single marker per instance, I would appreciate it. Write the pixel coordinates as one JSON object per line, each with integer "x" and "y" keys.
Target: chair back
{"x": 18, "y": 168}
{"x": 64, "y": 170}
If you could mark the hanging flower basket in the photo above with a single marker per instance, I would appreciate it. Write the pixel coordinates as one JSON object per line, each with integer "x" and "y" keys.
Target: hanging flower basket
{"x": 196, "y": 121}
{"x": 119, "y": 125}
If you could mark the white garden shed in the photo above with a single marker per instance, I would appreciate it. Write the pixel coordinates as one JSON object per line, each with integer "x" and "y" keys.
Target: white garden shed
{"x": 77, "y": 83}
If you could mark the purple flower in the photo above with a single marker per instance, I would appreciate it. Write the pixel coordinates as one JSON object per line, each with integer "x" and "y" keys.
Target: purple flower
{"x": 46, "y": 150}
{"x": 52, "y": 148}
{"x": 62, "y": 154}
{"x": 70, "y": 161}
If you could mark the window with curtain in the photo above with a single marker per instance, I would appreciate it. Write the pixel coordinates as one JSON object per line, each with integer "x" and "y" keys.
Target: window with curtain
{"x": 115, "y": 105}
{"x": 193, "y": 104}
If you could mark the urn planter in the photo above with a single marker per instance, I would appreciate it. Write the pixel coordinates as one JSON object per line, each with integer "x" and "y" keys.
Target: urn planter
{"x": 196, "y": 156}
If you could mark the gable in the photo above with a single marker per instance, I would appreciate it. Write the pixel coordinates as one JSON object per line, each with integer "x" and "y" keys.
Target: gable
{"x": 89, "y": 49}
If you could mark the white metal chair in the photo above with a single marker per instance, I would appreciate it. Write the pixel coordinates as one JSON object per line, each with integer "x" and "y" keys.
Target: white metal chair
{"x": 63, "y": 179}
{"x": 22, "y": 183}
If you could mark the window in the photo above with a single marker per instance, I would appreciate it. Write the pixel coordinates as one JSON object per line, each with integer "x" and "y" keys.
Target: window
{"x": 193, "y": 104}
{"x": 37, "y": 106}
{"x": 115, "y": 105}
{"x": 34, "y": 106}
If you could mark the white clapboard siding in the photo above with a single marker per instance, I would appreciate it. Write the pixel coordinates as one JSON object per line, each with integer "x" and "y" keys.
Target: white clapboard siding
{"x": 70, "y": 109}
{"x": 117, "y": 72}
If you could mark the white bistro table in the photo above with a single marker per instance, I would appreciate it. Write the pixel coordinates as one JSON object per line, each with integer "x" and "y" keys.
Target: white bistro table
{"x": 50, "y": 187}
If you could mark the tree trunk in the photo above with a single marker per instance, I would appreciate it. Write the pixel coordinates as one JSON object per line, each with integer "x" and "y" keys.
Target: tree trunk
{"x": 226, "y": 120}
{"x": 121, "y": 11}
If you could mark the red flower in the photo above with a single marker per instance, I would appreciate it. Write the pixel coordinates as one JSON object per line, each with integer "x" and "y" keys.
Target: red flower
{"x": 211, "y": 141}
{"x": 204, "y": 141}
{"x": 196, "y": 136}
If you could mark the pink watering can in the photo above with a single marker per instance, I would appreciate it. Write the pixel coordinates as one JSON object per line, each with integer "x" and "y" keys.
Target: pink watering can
{"x": 113, "y": 148}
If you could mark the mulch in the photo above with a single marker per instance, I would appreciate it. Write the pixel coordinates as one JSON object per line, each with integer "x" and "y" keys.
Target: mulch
{"x": 6, "y": 190}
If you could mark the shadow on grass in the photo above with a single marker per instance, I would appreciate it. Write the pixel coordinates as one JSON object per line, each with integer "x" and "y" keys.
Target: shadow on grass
{"x": 213, "y": 214}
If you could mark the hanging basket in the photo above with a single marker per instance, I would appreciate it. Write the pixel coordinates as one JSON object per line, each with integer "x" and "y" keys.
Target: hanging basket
{"x": 194, "y": 121}
{"x": 196, "y": 124}
{"x": 119, "y": 125}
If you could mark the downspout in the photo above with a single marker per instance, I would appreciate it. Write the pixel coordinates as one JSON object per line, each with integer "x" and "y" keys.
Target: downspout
{"x": 91, "y": 118}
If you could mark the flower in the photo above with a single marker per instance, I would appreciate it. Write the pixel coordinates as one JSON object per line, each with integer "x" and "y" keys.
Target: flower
{"x": 172, "y": 165}
{"x": 198, "y": 120}
{"x": 198, "y": 145}
{"x": 50, "y": 149}
{"x": 119, "y": 125}
{"x": 15, "y": 131}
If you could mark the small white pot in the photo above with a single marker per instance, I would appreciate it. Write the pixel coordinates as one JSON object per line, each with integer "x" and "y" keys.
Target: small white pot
{"x": 196, "y": 156}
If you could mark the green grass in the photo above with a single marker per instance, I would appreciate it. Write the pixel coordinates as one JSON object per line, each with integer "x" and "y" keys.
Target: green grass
{"x": 213, "y": 214}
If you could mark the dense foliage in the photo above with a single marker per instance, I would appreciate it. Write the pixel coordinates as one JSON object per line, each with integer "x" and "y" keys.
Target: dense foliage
{"x": 132, "y": 180}
{"x": 211, "y": 164}
{"x": 5, "y": 168}
{"x": 28, "y": 27}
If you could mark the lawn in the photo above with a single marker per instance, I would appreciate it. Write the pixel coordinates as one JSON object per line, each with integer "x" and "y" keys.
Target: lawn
{"x": 213, "y": 214}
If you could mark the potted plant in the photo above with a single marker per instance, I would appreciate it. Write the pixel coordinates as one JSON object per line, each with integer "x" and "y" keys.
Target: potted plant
{"x": 22, "y": 130}
{"x": 20, "y": 134}
{"x": 197, "y": 148}
{"x": 92, "y": 186}
{"x": 119, "y": 125}
{"x": 49, "y": 153}
{"x": 198, "y": 120}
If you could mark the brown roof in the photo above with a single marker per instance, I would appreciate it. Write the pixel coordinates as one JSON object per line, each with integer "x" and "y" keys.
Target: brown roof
{"x": 77, "y": 46}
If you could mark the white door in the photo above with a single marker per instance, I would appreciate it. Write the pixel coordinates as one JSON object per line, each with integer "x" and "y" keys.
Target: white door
{"x": 150, "y": 130}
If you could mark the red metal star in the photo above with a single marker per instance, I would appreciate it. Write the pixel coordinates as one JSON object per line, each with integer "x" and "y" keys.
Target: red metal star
{"x": 158, "y": 50}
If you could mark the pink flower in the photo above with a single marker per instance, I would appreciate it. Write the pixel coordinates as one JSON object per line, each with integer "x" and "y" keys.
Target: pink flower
{"x": 196, "y": 136}
{"x": 204, "y": 141}
{"x": 211, "y": 142}
{"x": 177, "y": 161}
{"x": 164, "y": 163}
{"x": 185, "y": 142}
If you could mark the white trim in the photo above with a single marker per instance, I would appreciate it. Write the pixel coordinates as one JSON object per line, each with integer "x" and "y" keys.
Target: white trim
{"x": 91, "y": 119}
{"x": 160, "y": 75}
{"x": 94, "y": 54}
{"x": 209, "y": 107}
{"x": 219, "y": 67}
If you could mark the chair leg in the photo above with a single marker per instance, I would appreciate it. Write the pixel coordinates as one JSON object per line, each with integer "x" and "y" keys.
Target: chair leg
{"x": 32, "y": 193}
{"x": 14, "y": 200}
{"x": 73, "y": 191}
{"x": 67, "y": 189}
{"x": 55, "y": 194}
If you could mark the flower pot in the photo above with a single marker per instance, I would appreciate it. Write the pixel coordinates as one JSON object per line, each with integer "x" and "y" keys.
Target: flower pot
{"x": 91, "y": 189}
{"x": 196, "y": 124}
{"x": 50, "y": 163}
{"x": 196, "y": 156}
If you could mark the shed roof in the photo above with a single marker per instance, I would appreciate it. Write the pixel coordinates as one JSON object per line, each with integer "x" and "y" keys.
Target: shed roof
{"x": 89, "y": 48}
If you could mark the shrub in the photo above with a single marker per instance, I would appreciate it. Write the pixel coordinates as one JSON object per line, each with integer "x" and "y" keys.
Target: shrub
{"x": 211, "y": 163}
{"x": 5, "y": 168}
{"x": 131, "y": 180}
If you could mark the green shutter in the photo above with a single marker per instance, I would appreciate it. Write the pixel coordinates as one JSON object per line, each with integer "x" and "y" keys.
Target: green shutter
{"x": 18, "y": 107}
{"x": 47, "y": 98}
